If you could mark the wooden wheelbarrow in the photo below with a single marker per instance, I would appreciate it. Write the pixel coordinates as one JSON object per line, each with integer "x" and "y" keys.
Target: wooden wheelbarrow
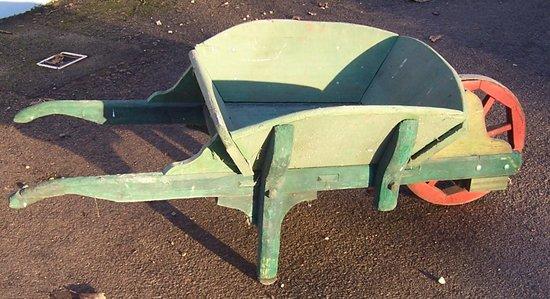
{"x": 294, "y": 108}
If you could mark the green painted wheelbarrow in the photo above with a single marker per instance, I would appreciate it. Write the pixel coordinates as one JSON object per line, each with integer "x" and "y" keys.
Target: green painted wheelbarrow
{"x": 296, "y": 107}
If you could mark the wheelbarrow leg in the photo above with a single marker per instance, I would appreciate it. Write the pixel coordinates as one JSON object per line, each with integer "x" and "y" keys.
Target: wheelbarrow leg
{"x": 273, "y": 204}
{"x": 390, "y": 166}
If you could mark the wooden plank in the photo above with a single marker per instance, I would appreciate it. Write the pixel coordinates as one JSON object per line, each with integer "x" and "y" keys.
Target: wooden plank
{"x": 359, "y": 132}
{"x": 457, "y": 168}
{"x": 295, "y": 61}
{"x": 414, "y": 74}
{"x": 215, "y": 107}
{"x": 487, "y": 184}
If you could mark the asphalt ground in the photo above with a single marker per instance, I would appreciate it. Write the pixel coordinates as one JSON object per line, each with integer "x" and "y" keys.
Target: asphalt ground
{"x": 495, "y": 247}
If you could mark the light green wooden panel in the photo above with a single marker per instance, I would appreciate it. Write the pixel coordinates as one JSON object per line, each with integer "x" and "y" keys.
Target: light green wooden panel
{"x": 473, "y": 139}
{"x": 185, "y": 90}
{"x": 413, "y": 74}
{"x": 294, "y": 61}
{"x": 345, "y": 135}
{"x": 248, "y": 114}
{"x": 220, "y": 119}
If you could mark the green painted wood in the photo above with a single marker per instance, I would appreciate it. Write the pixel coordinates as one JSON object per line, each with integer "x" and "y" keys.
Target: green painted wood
{"x": 457, "y": 168}
{"x": 487, "y": 184}
{"x": 295, "y": 61}
{"x": 392, "y": 163}
{"x": 273, "y": 204}
{"x": 474, "y": 139}
{"x": 241, "y": 203}
{"x": 414, "y": 74}
{"x": 157, "y": 186}
{"x": 117, "y": 112}
{"x": 359, "y": 132}
{"x": 327, "y": 178}
{"x": 89, "y": 110}
{"x": 361, "y": 176}
{"x": 185, "y": 90}
{"x": 139, "y": 187}
{"x": 211, "y": 158}
{"x": 215, "y": 108}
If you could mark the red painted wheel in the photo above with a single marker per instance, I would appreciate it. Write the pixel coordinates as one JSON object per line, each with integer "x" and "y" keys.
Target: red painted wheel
{"x": 513, "y": 129}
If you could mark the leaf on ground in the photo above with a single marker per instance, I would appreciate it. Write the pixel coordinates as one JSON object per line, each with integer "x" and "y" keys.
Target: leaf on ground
{"x": 435, "y": 38}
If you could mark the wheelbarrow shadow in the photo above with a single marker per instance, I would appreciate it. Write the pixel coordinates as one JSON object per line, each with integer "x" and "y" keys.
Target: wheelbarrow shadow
{"x": 206, "y": 239}
{"x": 98, "y": 144}
{"x": 165, "y": 139}
{"x": 179, "y": 219}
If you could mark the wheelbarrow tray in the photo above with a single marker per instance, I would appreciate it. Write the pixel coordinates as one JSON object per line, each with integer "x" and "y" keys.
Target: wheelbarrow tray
{"x": 294, "y": 108}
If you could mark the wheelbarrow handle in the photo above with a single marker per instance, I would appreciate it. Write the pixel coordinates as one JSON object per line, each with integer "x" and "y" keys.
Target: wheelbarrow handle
{"x": 138, "y": 187}
{"x": 117, "y": 111}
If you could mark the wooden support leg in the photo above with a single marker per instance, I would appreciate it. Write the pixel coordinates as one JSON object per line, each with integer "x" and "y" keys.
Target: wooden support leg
{"x": 390, "y": 167}
{"x": 274, "y": 204}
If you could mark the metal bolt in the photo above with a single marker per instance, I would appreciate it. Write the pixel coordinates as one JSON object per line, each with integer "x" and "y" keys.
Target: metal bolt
{"x": 506, "y": 166}
{"x": 478, "y": 167}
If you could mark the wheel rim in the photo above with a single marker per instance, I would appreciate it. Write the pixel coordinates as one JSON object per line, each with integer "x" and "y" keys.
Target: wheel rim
{"x": 450, "y": 192}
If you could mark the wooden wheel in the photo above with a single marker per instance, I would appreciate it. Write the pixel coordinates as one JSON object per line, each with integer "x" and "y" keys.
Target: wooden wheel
{"x": 513, "y": 129}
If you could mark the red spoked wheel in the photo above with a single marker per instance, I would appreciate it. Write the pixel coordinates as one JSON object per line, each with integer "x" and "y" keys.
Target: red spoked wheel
{"x": 513, "y": 129}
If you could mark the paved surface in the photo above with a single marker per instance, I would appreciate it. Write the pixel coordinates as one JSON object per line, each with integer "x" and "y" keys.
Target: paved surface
{"x": 495, "y": 247}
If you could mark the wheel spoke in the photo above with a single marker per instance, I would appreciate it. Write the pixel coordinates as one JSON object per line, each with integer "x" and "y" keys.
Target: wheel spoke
{"x": 501, "y": 129}
{"x": 487, "y": 104}
{"x": 445, "y": 193}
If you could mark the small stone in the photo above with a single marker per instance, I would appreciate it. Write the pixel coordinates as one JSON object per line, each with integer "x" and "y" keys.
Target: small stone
{"x": 323, "y": 5}
{"x": 192, "y": 1}
{"x": 158, "y": 22}
{"x": 327, "y": 238}
{"x": 270, "y": 12}
{"x": 225, "y": 3}
{"x": 435, "y": 13}
{"x": 441, "y": 280}
{"x": 27, "y": 167}
{"x": 282, "y": 285}
{"x": 513, "y": 64}
{"x": 311, "y": 13}
{"x": 170, "y": 31}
